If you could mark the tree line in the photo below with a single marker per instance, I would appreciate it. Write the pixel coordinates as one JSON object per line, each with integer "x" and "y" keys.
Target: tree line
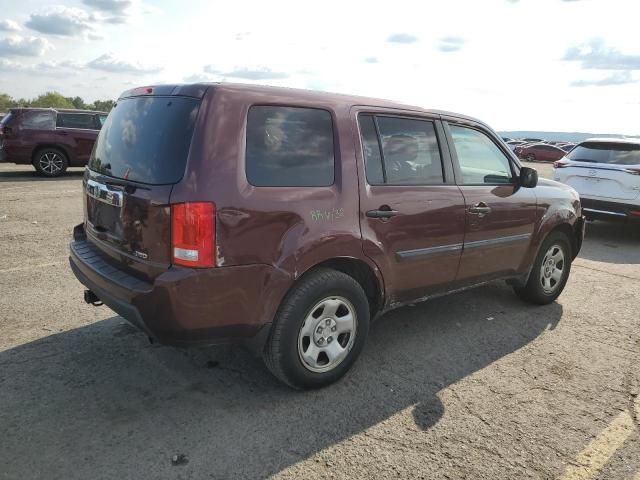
{"x": 53, "y": 100}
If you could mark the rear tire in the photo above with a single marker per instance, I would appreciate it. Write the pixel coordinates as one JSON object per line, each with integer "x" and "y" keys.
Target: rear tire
{"x": 319, "y": 330}
{"x": 550, "y": 271}
{"x": 50, "y": 162}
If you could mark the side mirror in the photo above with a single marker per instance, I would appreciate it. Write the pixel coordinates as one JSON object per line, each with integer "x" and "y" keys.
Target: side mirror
{"x": 528, "y": 177}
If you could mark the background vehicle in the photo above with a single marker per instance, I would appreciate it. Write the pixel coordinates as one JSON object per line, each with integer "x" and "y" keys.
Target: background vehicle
{"x": 540, "y": 152}
{"x": 606, "y": 174}
{"x": 289, "y": 219}
{"x": 513, "y": 144}
{"x": 567, "y": 147}
{"x": 49, "y": 139}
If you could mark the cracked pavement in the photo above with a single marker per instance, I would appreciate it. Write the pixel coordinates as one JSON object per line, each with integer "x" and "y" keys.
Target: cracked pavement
{"x": 477, "y": 385}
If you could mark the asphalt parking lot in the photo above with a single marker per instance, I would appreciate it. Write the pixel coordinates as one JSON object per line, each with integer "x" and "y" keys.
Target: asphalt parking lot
{"x": 477, "y": 385}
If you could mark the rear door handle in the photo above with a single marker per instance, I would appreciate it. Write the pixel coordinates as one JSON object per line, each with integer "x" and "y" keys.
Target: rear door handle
{"x": 382, "y": 213}
{"x": 480, "y": 209}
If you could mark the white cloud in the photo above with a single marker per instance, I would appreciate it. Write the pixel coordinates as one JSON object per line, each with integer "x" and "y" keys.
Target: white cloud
{"x": 596, "y": 54}
{"x": 450, "y": 44}
{"x": 116, "y": 7}
{"x": 59, "y": 20}
{"x": 24, "y": 46}
{"x": 109, "y": 63}
{"x": 246, "y": 73}
{"x": 616, "y": 78}
{"x": 9, "y": 26}
{"x": 9, "y": 66}
{"x": 402, "y": 38}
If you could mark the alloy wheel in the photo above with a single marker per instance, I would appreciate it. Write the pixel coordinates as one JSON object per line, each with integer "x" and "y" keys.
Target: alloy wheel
{"x": 51, "y": 163}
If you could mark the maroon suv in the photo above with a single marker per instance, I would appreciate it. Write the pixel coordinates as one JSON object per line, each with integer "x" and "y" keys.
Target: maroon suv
{"x": 49, "y": 139}
{"x": 289, "y": 219}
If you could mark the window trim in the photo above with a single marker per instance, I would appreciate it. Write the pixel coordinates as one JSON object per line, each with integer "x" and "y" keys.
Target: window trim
{"x": 456, "y": 163}
{"x": 337, "y": 161}
{"x": 375, "y": 115}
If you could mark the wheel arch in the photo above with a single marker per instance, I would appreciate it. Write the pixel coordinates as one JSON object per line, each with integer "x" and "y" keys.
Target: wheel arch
{"x": 362, "y": 272}
{"x": 42, "y": 146}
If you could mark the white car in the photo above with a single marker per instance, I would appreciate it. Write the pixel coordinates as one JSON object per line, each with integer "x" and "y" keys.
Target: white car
{"x": 606, "y": 174}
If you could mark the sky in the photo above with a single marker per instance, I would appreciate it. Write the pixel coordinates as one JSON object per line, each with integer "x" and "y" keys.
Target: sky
{"x": 553, "y": 65}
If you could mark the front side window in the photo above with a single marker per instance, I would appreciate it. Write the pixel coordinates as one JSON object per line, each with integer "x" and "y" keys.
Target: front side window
{"x": 289, "y": 147}
{"x": 76, "y": 120}
{"x": 406, "y": 152}
{"x": 480, "y": 160}
{"x": 38, "y": 120}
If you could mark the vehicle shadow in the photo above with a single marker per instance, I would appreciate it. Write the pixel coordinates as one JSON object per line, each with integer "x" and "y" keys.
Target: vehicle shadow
{"x": 30, "y": 176}
{"x": 99, "y": 401}
{"x": 611, "y": 242}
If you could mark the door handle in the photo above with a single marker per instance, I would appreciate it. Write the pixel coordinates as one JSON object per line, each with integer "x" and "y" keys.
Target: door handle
{"x": 63, "y": 133}
{"x": 480, "y": 209}
{"x": 382, "y": 213}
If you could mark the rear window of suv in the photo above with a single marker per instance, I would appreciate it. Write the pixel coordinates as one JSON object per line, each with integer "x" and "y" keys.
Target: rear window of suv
{"x": 289, "y": 147}
{"x": 38, "y": 120}
{"x": 606, "y": 152}
{"x": 146, "y": 139}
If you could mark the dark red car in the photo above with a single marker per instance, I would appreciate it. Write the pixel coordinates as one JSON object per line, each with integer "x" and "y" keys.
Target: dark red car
{"x": 289, "y": 219}
{"x": 49, "y": 139}
{"x": 540, "y": 151}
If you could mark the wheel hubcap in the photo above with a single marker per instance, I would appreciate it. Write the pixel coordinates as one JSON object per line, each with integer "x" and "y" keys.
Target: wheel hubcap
{"x": 552, "y": 269}
{"x": 327, "y": 334}
{"x": 50, "y": 163}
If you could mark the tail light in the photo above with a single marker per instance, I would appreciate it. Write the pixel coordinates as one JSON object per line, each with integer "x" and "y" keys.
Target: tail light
{"x": 560, "y": 164}
{"x": 635, "y": 213}
{"x": 633, "y": 170}
{"x": 193, "y": 234}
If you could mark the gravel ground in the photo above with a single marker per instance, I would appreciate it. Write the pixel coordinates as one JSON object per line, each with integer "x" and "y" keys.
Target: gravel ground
{"x": 476, "y": 385}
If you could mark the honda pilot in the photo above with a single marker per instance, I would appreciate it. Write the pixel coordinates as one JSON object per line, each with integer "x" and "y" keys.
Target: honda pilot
{"x": 289, "y": 220}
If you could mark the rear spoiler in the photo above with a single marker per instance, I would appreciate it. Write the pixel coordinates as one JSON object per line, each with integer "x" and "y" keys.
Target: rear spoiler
{"x": 196, "y": 90}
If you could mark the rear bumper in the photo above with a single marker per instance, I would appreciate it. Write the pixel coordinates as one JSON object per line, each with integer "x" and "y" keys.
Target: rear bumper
{"x": 612, "y": 211}
{"x": 182, "y": 306}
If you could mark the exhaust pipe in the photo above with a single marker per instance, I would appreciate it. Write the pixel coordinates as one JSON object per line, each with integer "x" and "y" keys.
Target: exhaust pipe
{"x": 92, "y": 298}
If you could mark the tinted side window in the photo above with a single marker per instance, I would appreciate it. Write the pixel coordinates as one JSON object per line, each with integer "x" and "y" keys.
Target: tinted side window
{"x": 289, "y": 146}
{"x": 480, "y": 160}
{"x": 101, "y": 120}
{"x": 76, "y": 120}
{"x": 371, "y": 150}
{"x": 38, "y": 120}
{"x": 410, "y": 151}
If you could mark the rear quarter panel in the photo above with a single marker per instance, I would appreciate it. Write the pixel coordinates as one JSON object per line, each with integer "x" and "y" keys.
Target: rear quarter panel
{"x": 290, "y": 229}
{"x": 23, "y": 142}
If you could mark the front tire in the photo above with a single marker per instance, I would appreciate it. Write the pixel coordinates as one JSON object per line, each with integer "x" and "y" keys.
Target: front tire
{"x": 50, "y": 162}
{"x": 531, "y": 157}
{"x": 319, "y": 330}
{"x": 550, "y": 271}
